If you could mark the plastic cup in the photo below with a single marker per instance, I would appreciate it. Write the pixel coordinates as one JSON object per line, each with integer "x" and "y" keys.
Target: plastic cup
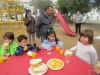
{"x": 57, "y": 48}
{"x": 34, "y": 55}
{"x": 49, "y": 50}
{"x": 53, "y": 47}
{"x": 1, "y": 60}
{"x": 67, "y": 60}
{"x": 61, "y": 52}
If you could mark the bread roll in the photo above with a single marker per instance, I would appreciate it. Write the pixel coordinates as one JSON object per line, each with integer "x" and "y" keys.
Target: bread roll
{"x": 6, "y": 44}
{"x": 29, "y": 53}
{"x": 35, "y": 62}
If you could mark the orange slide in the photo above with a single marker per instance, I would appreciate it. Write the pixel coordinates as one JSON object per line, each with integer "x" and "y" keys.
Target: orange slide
{"x": 64, "y": 24}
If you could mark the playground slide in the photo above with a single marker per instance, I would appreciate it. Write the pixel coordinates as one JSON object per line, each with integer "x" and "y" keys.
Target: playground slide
{"x": 64, "y": 24}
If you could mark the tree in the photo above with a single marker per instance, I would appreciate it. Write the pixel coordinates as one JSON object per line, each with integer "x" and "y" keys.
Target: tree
{"x": 97, "y": 4}
{"x": 40, "y": 4}
{"x": 73, "y": 5}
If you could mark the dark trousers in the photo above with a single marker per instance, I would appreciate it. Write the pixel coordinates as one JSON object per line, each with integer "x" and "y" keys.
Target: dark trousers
{"x": 78, "y": 27}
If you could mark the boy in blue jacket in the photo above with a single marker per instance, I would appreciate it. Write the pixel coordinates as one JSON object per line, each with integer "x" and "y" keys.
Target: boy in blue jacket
{"x": 24, "y": 46}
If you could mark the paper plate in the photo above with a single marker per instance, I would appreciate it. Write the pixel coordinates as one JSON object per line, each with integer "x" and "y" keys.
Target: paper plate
{"x": 55, "y": 64}
{"x": 30, "y": 71}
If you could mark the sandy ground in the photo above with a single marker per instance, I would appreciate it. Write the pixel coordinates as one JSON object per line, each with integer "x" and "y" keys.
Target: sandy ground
{"x": 69, "y": 41}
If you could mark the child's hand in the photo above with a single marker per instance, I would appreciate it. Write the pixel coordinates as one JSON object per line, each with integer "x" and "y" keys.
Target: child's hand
{"x": 7, "y": 55}
{"x": 5, "y": 58}
{"x": 6, "y": 46}
{"x": 26, "y": 48}
{"x": 68, "y": 53}
{"x": 40, "y": 46}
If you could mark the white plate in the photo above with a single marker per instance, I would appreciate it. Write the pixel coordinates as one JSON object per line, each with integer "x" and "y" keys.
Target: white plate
{"x": 55, "y": 68}
{"x": 30, "y": 71}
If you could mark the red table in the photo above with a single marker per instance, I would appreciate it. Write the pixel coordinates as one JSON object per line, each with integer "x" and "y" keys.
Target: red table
{"x": 18, "y": 65}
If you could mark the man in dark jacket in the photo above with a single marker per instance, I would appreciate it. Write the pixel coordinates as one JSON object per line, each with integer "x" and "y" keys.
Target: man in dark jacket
{"x": 44, "y": 23}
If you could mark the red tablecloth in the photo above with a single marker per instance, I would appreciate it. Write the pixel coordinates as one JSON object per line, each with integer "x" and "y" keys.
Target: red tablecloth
{"x": 18, "y": 65}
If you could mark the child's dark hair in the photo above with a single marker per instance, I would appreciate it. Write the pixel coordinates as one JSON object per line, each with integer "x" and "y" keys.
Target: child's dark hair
{"x": 88, "y": 33}
{"x": 51, "y": 31}
{"x": 9, "y": 35}
{"x": 21, "y": 37}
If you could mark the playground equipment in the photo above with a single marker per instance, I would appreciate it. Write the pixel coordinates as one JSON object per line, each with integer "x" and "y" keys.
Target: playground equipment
{"x": 11, "y": 15}
{"x": 64, "y": 24}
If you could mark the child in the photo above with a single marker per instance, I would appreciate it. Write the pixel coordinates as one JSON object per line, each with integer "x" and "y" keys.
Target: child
{"x": 9, "y": 46}
{"x": 84, "y": 48}
{"x": 24, "y": 46}
{"x": 51, "y": 40}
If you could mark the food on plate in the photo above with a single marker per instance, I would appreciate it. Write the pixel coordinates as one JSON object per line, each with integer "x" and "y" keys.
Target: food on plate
{"x": 68, "y": 53}
{"x": 35, "y": 62}
{"x": 55, "y": 64}
{"x": 37, "y": 66}
{"x": 41, "y": 68}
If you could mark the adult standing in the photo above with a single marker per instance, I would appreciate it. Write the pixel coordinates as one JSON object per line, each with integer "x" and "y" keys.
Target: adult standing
{"x": 44, "y": 23}
{"x": 30, "y": 26}
{"x": 77, "y": 18}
